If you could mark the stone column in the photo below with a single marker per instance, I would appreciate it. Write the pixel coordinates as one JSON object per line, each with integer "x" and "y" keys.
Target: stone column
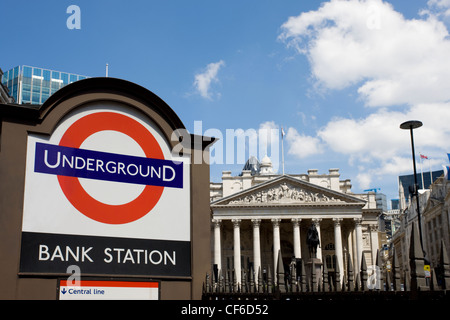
{"x": 297, "y": 242}
{"x": 359, "y": 241}
{"x": 316, "y": 222}
{"x": 217, "y": 243}
{"x": 237, "y": 249}
{"x": 373, "y": 229}
{"x": 338, "y": 245}
{"x": 276, "y": 242}
{"x": 352, "y": 249}
{"x": 256, "y": 247}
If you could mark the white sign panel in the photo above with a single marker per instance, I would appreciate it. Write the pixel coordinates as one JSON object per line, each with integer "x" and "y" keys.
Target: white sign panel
{"x": 104, "y": 192}
{"x": 109, "y": 290}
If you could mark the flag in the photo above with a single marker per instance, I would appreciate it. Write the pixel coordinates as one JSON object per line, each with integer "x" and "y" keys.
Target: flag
{"x": 282, "y": 132}
{"x": 448, "y": 154}
{"x": 446, "y": 170}
{"x": 423, "y": 157}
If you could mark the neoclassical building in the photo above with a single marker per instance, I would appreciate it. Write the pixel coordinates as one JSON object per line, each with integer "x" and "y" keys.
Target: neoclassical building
{"x": 258, "y": 213}
{"x": 435, "y": 218}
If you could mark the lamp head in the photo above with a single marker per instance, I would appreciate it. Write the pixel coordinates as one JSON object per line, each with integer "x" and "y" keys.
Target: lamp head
{"x": 412, "y": 124}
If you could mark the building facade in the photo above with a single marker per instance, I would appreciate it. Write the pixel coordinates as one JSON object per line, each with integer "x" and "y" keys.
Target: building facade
{"x": 32, "y": 85}
{"x": 424, "y": 180}
{"x": 258, "y": 214}
{"x": 4, "y": 92}
{"x": 434, "y": 206}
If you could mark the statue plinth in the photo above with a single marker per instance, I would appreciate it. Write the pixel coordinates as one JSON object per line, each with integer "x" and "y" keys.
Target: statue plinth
{"x": 313, "y": 265}
{"x": 313, "y": 269}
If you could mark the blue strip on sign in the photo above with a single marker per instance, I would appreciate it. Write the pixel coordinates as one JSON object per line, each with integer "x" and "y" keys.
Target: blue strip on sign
{"x": 80, "y": 163}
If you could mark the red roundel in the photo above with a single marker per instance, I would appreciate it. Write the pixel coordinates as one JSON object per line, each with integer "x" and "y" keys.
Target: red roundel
{"x": 78, "y": 132}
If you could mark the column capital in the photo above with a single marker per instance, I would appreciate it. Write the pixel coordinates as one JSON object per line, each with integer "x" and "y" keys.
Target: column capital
{"x": 337, "y": 221}
{"x": 316, "y": 221}
{"x": 358, "y": 221}
{"x": 296, "y": 221}
{"x": 236, "y": 222}
{"x": 373, "y": 227}
{"x": 217, "y": 222}
{"x": 276, "y": 222}
{"x": 256, "y": 223}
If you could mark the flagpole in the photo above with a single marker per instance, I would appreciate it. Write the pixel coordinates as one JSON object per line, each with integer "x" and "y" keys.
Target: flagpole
{"x": 431, "y": 174}
{"x": 421, "y": 170}
{"x": 282, "y": 149}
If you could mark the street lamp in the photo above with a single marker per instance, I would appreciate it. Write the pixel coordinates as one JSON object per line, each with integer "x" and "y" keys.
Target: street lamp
{"x": 410, "y": 125}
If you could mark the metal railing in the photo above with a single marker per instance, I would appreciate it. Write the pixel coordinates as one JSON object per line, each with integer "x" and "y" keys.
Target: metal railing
{"x": 367, "y": 284}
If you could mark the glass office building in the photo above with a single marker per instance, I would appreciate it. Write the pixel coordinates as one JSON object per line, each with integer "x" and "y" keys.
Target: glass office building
{"x": 31, "y": 85}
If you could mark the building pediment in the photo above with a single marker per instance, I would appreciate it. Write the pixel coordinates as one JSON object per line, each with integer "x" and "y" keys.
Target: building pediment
{"x": 431, "y": 203}
{"x": 286, "y": 191}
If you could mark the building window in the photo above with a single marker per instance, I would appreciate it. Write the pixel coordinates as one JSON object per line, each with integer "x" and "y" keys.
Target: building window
{"x": 330, "y": 261}
{"x": 27, "y": 72}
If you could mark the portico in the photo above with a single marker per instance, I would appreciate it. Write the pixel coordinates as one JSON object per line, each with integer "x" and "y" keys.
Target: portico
{"x": 251, "y": 226}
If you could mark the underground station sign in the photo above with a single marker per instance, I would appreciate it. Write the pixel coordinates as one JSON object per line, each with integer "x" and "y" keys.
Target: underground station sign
{"x": 108, "y": 290}
{"x": 104, "y": 192}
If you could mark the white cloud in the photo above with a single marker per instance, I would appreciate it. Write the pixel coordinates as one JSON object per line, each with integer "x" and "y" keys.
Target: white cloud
{"x": 442, "y": 6}
{"x": 268, "y": 133}
{"x": 269, "y": 143}
{"x": 439, "y": 3}
{"x": 301, "y": 145}
{"x": 376, "y": 135}
{"x": 364, "y": 180}
{"x": 379, "y": 136}
{"x": 393, "y": 62}
{"x": 203, "y": 80}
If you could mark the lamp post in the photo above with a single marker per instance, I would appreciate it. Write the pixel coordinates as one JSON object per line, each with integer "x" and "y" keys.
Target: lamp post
{"x": 411, "y": 125}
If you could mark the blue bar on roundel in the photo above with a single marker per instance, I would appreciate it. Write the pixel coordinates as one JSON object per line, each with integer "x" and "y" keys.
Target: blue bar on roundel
{"x": 81, "y": 163}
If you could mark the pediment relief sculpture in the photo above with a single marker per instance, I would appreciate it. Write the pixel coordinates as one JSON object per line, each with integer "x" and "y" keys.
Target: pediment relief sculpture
{"x": 283, "y": 193}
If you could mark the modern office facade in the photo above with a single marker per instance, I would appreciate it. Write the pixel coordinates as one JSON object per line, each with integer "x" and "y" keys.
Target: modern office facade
{"x": 32, "y": 85}
{"x": 424, "y": 180}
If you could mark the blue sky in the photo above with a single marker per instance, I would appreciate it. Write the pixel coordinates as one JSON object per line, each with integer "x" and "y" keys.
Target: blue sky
{"x": 338, "y": 76}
